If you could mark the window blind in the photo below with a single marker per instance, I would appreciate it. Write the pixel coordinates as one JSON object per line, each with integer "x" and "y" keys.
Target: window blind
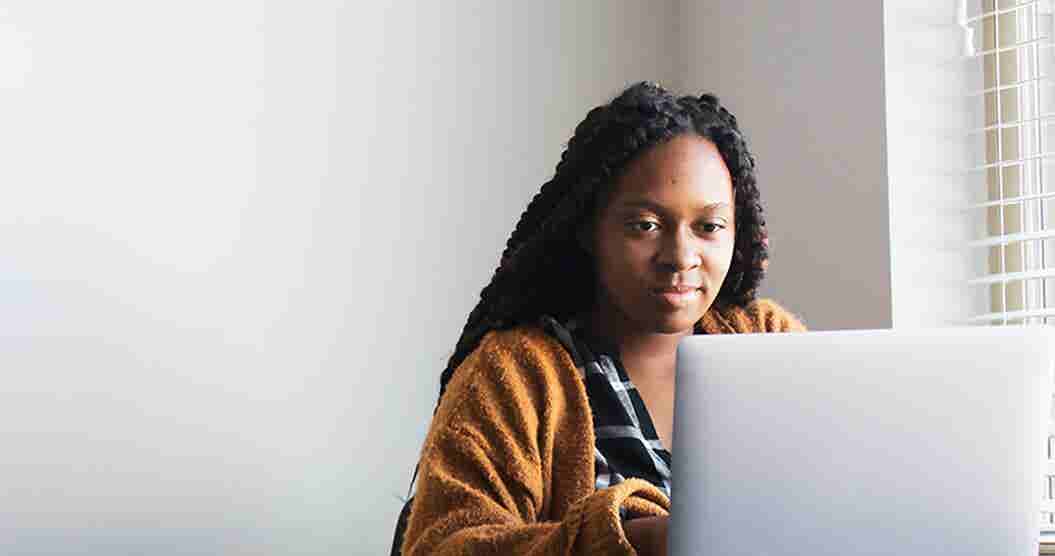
{"x": 1008, "y": 45}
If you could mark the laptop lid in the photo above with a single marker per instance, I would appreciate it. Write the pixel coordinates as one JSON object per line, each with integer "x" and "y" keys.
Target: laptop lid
{"x": 877, "y": 442}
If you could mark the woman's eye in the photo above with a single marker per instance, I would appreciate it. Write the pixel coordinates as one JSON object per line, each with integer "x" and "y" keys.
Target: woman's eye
{"x": 711, "y": 227}
{"x": 644, "y": 226}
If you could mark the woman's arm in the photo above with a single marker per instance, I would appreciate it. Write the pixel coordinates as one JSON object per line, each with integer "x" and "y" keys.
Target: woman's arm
{"x": 487, "y": 472}
{"x": 648, "y": 535}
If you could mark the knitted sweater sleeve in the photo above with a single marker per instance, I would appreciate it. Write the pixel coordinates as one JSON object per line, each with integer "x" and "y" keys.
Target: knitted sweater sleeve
{"x": 486, "y": 485}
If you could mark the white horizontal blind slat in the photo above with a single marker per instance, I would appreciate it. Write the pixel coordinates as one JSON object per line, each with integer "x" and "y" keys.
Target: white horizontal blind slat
{"x": 991, "y": 13}
{"x": 1004, "y": 163}
{"x": 980, "y": 92}
{"x": 1012, "y": 277}
{"x": 1011, "y": 316}
{"x": 1011, "y": 200}
{"x": 1011, "y": 47}
{"x": 995, "y": 241}
{"x": 1047, "y": 118}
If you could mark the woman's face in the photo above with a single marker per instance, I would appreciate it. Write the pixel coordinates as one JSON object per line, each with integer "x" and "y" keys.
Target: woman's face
{"x": 664, "y": 241}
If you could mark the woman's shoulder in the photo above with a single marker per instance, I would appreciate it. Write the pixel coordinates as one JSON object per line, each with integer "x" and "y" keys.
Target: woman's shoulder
{"x": 524, "y": 345}
{"x": 523, "y": 362}
{"x": 760, "y": 315}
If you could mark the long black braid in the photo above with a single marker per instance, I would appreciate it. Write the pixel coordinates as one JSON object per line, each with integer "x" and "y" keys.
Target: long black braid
{"x": 525, "y": 285}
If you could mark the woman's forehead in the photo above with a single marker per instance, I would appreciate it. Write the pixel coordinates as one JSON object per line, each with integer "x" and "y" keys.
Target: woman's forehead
{"x": 687, "y": 169}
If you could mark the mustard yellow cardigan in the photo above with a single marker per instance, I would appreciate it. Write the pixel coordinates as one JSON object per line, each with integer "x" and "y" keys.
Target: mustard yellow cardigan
{"x": 508, "y": 463}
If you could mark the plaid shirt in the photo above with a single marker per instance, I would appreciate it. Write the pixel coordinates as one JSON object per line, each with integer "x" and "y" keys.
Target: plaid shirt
{"x": 626, "y": 442}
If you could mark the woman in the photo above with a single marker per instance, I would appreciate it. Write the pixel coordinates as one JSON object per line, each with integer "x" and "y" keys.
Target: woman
{"x": 554, "y": 423}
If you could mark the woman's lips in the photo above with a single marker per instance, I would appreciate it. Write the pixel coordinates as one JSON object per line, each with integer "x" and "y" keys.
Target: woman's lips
{"x": 678, "y": 296}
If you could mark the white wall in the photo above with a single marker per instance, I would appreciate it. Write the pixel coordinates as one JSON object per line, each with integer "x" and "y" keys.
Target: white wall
{"x": 238, "y": 241}
{"x": 927, "y": 122}
{"x": 805, "y": 79}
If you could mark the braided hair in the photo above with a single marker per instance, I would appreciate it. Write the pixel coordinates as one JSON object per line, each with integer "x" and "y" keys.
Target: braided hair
{"x": 525, "y": 286}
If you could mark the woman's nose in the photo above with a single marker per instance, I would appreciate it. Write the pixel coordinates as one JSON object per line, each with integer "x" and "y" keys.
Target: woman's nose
{"x": 680, "y": 251}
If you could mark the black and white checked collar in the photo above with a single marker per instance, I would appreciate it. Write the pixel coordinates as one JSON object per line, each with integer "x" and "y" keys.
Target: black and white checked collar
{"x": 626, "y": 443}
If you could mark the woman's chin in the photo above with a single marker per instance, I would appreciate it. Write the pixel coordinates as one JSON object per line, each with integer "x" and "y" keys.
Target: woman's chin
{"x": 676, "y": 324}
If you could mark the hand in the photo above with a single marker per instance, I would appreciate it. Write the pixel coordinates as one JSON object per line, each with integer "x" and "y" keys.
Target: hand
{"x": 648, "y": 535}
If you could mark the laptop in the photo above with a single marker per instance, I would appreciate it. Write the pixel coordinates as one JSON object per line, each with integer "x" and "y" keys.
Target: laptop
{"x": 877, "y": 442}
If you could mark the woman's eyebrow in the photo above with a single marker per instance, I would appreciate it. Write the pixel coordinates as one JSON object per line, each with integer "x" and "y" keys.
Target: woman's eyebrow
{"x": 646, "y": 204}
{"x": 642, "y": 203}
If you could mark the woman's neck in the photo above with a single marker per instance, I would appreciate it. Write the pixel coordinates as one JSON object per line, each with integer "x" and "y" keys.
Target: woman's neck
{"x": 645, "y": 355}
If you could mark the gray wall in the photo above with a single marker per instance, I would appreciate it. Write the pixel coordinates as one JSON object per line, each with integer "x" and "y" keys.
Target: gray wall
{"x": 238, "y": 241}
{"x": 805, "y": 79}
